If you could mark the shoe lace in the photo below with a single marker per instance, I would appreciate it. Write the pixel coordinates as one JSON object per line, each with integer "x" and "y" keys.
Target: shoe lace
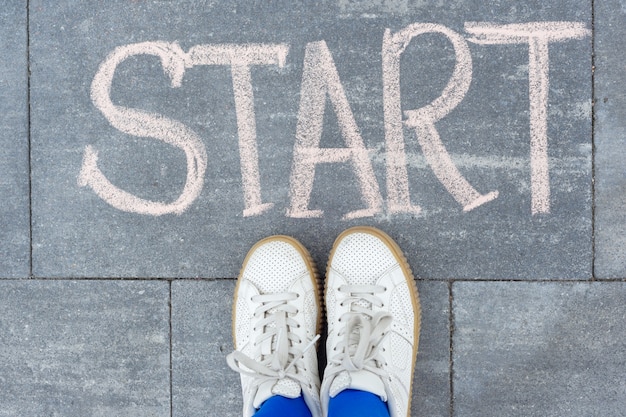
{"x": 279, "y": 357}
{"x": 359, "y": 346}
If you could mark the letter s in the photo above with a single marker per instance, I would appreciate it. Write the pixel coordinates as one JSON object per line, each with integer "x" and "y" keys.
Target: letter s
{"x": 140, "y": 123}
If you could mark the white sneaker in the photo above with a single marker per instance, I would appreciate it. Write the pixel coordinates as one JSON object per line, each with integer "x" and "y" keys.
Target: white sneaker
{"x": 276, "y": 323}
{"x": 373, "y": 314}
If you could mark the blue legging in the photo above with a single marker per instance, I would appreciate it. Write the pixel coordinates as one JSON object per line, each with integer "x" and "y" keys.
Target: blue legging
{"x": 349, "y": 403}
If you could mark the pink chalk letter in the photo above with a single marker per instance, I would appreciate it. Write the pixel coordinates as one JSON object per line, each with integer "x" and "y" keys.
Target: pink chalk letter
{"x": 423, "y": 121}
{"x": 240, "y": 58}
{"x": 319, "y": 79}
{"x": 140, "y": 123}
{"x": 538, "y": 35}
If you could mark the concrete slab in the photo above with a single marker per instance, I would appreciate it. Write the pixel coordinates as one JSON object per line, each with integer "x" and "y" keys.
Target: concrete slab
{"x": 14, "y": 176}
{"x": 539, "y": 349}
{"x": 201, "y": 339}
{"x": 99, "y": 90}
{"x": 77, "y": 349}
{"x": 431, "y": 385}
{"x": 610, "y": 140}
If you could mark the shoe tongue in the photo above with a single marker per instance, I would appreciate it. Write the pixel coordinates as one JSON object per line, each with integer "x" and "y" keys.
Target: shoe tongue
{"x": 359, "y": 380}
{"x": 285, "y": 387}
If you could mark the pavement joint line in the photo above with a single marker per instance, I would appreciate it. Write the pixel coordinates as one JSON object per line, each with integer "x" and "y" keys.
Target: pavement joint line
{"x": 451, "y": 341}
{"x": 171, "y": 334}
{"x": 593, "y": 142}
{"x": 29, "y": 143}
{"x": 208, "y": 279}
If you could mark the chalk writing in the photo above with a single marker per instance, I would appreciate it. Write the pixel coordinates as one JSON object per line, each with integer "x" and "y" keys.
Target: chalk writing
{"x": 321, "y": 81}
{"x": 139, "y": 123}
{"x": 320, "y": 78}
{"x": 538, "y": 35}
{"x": 240, "y": 58}
{"x": 423, "y": 121}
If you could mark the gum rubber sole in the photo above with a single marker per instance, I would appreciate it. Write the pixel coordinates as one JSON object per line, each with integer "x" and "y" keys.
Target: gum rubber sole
{"x": 404, "y": 264}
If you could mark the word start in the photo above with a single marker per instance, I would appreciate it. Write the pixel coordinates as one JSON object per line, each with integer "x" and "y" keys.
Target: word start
{"x": 320, "y": 81}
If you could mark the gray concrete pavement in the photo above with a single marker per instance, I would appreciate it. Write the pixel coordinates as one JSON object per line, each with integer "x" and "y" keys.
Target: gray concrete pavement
{"x": 246, "y": 135}
{"x": 609, "y": 136}
{"x": 147, "y": 145}
{"x": 84, "y": 348}
{"x": 14, "y": 163}
{"x": 539, "y": 349}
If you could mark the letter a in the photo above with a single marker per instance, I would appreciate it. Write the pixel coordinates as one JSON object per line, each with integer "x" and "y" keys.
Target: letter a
{"x": 320, "y": 78}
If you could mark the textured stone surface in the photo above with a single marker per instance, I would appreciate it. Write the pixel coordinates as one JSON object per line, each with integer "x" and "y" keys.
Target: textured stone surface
{"x": 14, "y": 189}
{"x": 610, "y": 139}
{"x": 102, "y": 348}
{"x": 539, "y": 349}
{"x": 431, "y": 385}
{"x": 78, "y": 349}
{"x": 201, "y": 329}
{"x": 76, "y": 233}
{"x": 201, "y": 339}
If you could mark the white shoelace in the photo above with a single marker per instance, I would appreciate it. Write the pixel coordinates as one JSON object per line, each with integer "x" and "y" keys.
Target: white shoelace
{"x": 360, "y": 346}
{"x": 279, "y": 358}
